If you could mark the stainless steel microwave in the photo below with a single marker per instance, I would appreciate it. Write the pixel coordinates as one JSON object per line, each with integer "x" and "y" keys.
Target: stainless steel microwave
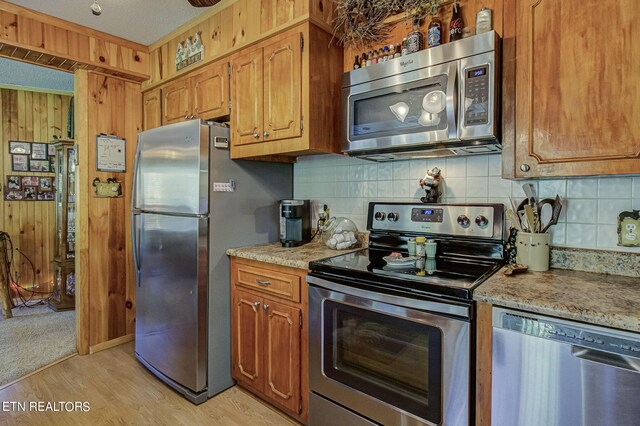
{"x": 440, "y": 101}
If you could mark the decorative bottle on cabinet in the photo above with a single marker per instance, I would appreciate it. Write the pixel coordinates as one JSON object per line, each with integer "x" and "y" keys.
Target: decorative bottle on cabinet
{"x": 64, "y": 281}
{"x": 415, "y": 39}
{"x": 456, "y": 25}
{"x": 434, "y": 33}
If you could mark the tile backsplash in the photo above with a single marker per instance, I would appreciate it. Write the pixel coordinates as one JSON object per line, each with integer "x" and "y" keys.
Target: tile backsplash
{"x": 347, "y": 185}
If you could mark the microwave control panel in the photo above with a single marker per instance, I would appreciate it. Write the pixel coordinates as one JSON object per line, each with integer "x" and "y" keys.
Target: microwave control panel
{"x": 476, "y": 96}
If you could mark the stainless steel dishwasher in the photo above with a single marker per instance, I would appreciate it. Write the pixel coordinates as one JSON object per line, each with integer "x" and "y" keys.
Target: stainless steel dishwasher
{"x": 551, "y": 372}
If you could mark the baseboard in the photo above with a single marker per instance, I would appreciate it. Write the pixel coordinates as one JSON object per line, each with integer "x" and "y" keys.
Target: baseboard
{"x": 111, "y": 343}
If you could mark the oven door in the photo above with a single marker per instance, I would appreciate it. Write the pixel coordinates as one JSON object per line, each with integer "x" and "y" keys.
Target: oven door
{"x": 388, "y": 363}
{"x": 401, "y": 111}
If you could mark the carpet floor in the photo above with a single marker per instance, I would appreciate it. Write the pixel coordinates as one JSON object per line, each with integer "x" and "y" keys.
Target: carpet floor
{"x": 35, "y": 337}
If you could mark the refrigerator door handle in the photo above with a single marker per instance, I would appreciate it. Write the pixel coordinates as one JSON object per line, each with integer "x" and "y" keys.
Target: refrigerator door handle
{"x": 134, "y": 186}
{"x": 136, "y": 245}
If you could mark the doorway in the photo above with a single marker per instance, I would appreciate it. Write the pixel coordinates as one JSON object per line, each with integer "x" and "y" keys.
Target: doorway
{"x": 35, "y": 116}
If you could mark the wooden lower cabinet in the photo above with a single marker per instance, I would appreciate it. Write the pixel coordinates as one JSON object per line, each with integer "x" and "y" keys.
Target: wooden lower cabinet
{"x": 247, "y": 339}
{"x": 269, "y": 343}
{"x": 282, "y": 354}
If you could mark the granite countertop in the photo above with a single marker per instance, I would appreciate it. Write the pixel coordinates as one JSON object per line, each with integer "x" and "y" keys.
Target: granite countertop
{"x": 293, "y": 257}
{"x": 600, "y": 299}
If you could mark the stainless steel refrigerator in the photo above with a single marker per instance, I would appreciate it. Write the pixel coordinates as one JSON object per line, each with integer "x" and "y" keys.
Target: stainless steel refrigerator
{"x": 181, "y": 228}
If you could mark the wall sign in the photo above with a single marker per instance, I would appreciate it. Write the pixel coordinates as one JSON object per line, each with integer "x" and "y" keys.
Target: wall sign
{"x": 110, "y": 154}
{"x": 189, "y": 52}
{"x": 629, "y": 228}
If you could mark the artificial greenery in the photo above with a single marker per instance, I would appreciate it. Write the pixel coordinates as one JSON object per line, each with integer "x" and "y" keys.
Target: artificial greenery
{"x": 361, "y": 23}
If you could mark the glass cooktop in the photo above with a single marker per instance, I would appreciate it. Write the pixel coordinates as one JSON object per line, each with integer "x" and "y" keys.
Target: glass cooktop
{"x": 444, "y": 275}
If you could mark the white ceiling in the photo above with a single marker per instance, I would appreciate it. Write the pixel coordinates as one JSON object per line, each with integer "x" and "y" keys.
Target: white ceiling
{"x": 142, "y": 21}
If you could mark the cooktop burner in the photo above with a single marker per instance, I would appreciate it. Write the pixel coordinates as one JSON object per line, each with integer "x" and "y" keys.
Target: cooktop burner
{"x": 470, "y": 249}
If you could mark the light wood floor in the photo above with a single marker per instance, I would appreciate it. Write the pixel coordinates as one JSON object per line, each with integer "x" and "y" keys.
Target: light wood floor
{"x": 121, "y": 391}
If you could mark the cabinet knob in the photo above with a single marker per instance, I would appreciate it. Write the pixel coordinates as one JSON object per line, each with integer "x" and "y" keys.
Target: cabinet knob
{"x": 265, "y": 306}
{"x": 256, "y": 303}
{"x": 256, "y": 136}
{"x": 186, "y": 117}
{"x": 525, "y": 167}
{"x": 265, "y": 134}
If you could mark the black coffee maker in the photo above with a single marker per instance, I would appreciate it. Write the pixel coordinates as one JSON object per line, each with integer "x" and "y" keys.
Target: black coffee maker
{"x": 295, "y": 222}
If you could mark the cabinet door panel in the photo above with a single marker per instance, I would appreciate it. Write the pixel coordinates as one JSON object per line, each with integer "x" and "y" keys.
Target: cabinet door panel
{"x": 247, "y": 345}
{"x": 282, "y": 354}
{"x": 246, "y": 100}
{"x": 282, "y": 88}
{"x": 151, "y": 109}
{"x": 577, "y": 70}
{"x": 175, "y": 102}
{"x": 211, "y": 92}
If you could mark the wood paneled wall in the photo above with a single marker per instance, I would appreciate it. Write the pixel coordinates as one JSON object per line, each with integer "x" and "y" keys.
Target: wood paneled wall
{"x": 32, "y": 117}
{"x": 403, "y": 26}
{"x": 105, "y": 280}
{"x": 231, "y": 25}
{"x": 34, "y": 37}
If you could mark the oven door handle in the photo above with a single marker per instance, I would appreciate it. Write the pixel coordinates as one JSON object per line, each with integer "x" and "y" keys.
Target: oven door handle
{"x": 452, "y": 100}
{"x": 423, "y": 305}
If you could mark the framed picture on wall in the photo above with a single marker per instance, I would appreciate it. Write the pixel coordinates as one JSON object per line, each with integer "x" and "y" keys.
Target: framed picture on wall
{"x": 30, "y": 193}
{"x": 39, "y": 151}
{"x": 20, "y": 163}
{"x": 51, "y": 150}
{"x": 13, "y": 195}
{"x": 14, "y": 182}
{"x": 45, "y": 184}
{"x": 52, "y": 163}
{"x": 45, "y": 195}
{"x": 17, "y": 147}
{"x": 29, "y": 180}
{"x": 39, "y": 166}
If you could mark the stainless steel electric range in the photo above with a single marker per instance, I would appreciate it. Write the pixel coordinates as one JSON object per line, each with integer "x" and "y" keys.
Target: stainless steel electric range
{"x": 394, "y": 344}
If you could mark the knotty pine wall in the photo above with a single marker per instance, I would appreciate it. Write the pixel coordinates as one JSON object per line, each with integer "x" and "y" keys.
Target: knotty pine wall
{"x": 105, "y": 280}
{"x": 31, "y": 117}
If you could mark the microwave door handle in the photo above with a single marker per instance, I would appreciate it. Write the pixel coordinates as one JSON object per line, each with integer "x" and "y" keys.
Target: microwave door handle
{"x": 452, "y": 83}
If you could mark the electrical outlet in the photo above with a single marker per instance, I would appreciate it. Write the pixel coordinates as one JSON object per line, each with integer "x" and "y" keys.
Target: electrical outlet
{"x": 224, "y": 186}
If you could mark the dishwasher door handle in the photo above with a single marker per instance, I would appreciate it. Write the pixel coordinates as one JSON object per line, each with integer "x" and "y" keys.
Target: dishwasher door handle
{"x": 606, "y": 358}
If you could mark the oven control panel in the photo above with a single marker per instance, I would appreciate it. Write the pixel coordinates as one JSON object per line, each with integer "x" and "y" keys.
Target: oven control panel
{"x": 473, "y": 220}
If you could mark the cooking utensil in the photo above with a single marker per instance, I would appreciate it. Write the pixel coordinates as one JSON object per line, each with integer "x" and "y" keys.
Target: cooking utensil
{"x": 515, "y": 220}
{"x": 528, "y": 191}
{"x": 531, "y": 217}
{"x": 547, "y": 213}
{"x": 555, "y": 214}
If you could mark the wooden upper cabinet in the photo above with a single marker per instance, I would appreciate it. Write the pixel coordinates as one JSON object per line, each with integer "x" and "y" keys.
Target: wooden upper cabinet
{"x": 282, "y": 357}
{"x": 571, "y": 72}
{"x": 247, "y": 98}
{"x": 246, "y": 339}
{"x": 210, "y": 91}
{"x": 175, "y": 102}
{"x": 282, "y": 88}
{"x": 151, "y": 109}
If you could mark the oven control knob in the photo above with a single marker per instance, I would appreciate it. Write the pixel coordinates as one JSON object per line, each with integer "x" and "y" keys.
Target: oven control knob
{"x": 464, "y": 221}
{"x": 379, "y": 216}
{"x": 482, "y": 221}
{"x": 393, "y": 217}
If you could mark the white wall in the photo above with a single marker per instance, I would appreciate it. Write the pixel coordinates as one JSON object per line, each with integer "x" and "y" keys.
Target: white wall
{"x": 588, "y": 220}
